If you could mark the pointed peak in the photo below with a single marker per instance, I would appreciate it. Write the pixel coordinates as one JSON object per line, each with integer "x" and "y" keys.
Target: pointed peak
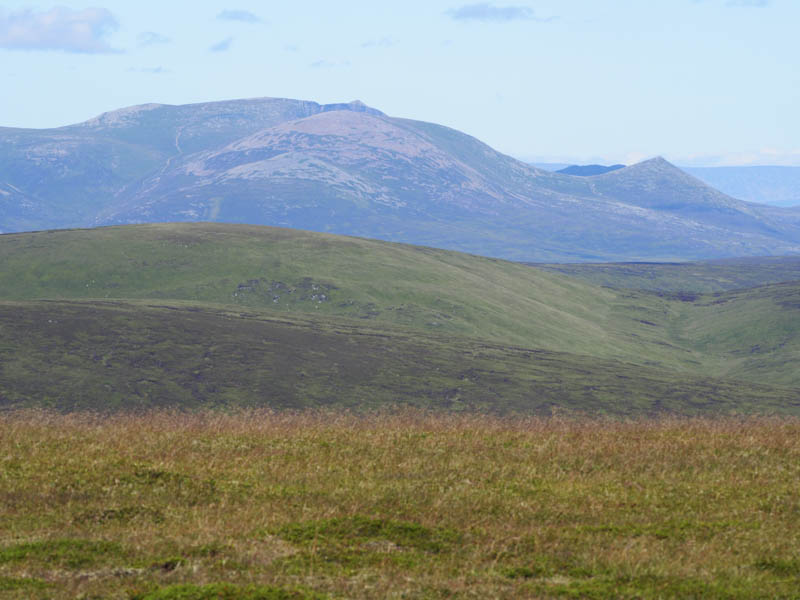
{"x": 656, "y": 164}
{"x": 658, "y": 161}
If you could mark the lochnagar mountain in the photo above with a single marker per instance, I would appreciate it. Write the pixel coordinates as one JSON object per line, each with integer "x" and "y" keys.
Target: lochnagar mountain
{"x": 350, "y": 169}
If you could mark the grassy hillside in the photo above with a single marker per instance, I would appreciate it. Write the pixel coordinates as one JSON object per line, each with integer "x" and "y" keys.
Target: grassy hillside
{"x": 259, "y": 506}
{"x": 752, "y": 334}
{"x": 699, "y": 277}
{"x": 298, "y": 272}
{"x": 238, "y": 315}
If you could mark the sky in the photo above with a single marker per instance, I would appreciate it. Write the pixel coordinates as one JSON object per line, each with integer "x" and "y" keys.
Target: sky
{"x": 700, "y": 82}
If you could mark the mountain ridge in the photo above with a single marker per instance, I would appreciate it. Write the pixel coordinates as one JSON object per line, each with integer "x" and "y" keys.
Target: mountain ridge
{"x": 350, "y": 169}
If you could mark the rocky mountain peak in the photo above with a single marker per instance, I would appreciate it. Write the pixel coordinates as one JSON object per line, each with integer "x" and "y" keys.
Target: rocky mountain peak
{"x": 354, "y": 106}
{"x": 658, "y": 163}
{"x": 120, "y": 117}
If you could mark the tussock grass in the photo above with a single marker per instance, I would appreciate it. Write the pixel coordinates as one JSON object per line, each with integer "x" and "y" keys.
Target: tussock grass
{"x": 261, "y": 504}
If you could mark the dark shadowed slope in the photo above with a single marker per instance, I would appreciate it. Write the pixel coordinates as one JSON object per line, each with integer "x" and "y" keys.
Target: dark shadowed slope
{"x": 124, "y": 356}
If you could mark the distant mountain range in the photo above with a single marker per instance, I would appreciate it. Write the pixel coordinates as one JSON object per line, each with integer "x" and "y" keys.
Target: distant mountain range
{"x": 589, "y": 170}
{"x": 350, "y": 169}
{"x": 773, "y": 185}
{"x": 779, "y": 186}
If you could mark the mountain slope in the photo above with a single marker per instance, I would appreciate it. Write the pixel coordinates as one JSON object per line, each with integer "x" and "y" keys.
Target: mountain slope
{"x": 753, "y": 333}
{"x": 402, "y": 180}
{"x": 298, "y": 272}
{"x": 73, "y": 172}
{"x": 350, "y": 169}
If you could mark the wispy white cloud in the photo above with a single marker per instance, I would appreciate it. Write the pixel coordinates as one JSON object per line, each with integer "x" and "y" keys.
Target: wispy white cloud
{"x": 222, "y": 46}
{"x": 60, "y": 28}
{"x": 243, "y": 16}
{"x": 149, "y": 38}
{"x": 487, "y": 12}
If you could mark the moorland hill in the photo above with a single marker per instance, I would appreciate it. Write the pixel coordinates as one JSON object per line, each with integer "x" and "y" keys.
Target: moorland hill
{"x": 197, "y": 314}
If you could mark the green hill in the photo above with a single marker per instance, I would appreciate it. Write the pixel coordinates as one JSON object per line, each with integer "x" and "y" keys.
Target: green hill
{"x": 297, "y": 272}
{"x": 195, "y": 314}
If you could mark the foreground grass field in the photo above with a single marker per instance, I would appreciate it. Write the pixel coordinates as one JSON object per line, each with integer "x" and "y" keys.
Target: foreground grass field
{"x": 411, "y": 505}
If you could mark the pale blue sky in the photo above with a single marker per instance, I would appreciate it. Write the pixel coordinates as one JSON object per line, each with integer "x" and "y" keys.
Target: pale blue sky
{"x": 698, "y": 81}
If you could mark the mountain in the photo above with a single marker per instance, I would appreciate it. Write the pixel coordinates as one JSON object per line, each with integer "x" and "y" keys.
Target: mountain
{"x": 589, "y": 170}
{"x": 773, "y": 185}
{"x": 69, "y": 174}
{"x": 350, "y": 169}
{"x": 779, "y": 186}
{"x": 196, "y": 314}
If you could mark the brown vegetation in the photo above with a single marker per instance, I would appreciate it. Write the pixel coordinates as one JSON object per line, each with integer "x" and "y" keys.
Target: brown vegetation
{"x": 405, "y": 505}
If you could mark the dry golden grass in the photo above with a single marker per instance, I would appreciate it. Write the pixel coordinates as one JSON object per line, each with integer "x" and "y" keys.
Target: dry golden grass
{"x": 406, "y": 505}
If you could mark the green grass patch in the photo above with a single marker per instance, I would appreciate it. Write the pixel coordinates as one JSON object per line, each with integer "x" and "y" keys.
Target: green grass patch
{"x": 345, "y": 545}
{"x": 226, "y": 591}
{"x": 780, "y": 566}
{"x": 644, "y": 586}
{"x": 64, "y": 553}
{"x": 359, "y": 529}
{"x": 10, "y": 584}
